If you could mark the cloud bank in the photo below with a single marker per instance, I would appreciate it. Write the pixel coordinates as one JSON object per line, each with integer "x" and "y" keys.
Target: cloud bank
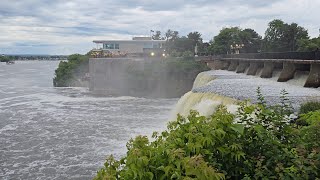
{"x": 66, "y": 27}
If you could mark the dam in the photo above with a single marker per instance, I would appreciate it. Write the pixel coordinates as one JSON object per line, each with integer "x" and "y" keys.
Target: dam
{"x": 288, "y": 62}
{"x": 215, "y": 87}
{"x": 231, "y": 78}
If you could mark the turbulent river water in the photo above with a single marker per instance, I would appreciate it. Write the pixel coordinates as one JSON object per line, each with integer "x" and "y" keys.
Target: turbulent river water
{"x": 65, "y": 133}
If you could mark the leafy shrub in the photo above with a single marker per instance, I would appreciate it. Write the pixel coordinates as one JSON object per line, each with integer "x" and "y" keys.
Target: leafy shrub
{"x": 187, "y": 54}
{"x": 255, "y": 143}
{"x": 311, "y": 118}
{"x": 5, "y": 59}
{"x": 69, "y": 72}
{"x": 309, "y": 106}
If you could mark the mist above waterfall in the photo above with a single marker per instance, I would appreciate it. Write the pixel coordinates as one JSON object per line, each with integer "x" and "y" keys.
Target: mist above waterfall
{"x": 155, "y": 77}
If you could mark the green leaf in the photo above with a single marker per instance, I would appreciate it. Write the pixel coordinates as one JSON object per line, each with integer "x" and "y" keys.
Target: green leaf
{"x": 238, "y": 128}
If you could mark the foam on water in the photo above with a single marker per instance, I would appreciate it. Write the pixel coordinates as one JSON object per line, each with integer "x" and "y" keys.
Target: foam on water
{"x": 65, "y": 133}
{"x": 204, "y": 103}
{"x": 242, "y": 87}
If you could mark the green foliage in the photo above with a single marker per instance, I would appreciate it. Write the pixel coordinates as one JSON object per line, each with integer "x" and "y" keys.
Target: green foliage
{"x": 183, "y": 46}
{"x": 280, "y": 36}
{"x": 175, "y": 53}
{"x": 309, "y": 44}
{"x": 234, "y": 35}
{"x": 310, "y": 136}
{"x": 68, "y": 73}
{"x": 173, "y": 67}
{"x": 311, "y": 118}
{"x": 260, "y": 97}
{"x": 187, "y": 54}
{"x": 5, "y": 59}
{"x": 309, "y": 106}
{"x": 255, "y": 143}
{"x": 157, "y": 36}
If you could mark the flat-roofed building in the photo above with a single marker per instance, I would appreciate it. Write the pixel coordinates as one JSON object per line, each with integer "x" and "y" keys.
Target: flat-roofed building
{"x": 138, "y": 45}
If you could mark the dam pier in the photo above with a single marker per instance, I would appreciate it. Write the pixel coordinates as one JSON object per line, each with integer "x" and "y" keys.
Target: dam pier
{"x": 266, "y": 63}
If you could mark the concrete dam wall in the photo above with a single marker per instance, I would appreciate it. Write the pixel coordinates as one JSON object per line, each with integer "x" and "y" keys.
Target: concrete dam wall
{"x": 289, "y": 63}
{"x": 215, "y": 87}
{"x": 160, "y": 78}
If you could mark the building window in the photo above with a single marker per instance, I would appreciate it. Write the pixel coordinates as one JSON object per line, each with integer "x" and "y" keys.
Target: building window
{"x": 109, "y": 46}
{"x": 116, "y": 46}
{"x": 147, "y": 45}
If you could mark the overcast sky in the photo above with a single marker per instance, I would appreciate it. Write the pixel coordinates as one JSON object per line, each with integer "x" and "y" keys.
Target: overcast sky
{"x": 69, "y": 26}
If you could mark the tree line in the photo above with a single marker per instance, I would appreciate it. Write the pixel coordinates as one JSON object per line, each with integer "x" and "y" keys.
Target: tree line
{"x": 279, "y": 37}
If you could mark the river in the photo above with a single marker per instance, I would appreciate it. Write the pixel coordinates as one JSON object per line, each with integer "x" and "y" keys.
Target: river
{"x": 65, "y": 133}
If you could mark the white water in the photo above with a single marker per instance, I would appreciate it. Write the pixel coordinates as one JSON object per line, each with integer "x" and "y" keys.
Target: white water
{"x": 217, "y": 85}
{"x": 204, "y": 103}
{"x": 65, "y": 133}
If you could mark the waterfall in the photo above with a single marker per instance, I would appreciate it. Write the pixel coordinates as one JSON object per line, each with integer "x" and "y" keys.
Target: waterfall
{"x": 213, "y": 88}
{"x": 202, "y": 79}
{"x": 204, "y": 103}
{"x": 300, "y": 78}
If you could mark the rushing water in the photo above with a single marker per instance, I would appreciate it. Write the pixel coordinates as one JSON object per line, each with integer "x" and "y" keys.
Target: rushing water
{"x": 241, "y": 86}
{"x": 65, "y": 133}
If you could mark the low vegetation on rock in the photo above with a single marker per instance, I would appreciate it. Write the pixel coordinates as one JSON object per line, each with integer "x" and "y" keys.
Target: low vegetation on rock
{"x": 69, "y": 73}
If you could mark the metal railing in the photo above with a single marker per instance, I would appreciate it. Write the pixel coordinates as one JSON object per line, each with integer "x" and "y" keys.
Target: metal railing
{"x": 311, "y": 55}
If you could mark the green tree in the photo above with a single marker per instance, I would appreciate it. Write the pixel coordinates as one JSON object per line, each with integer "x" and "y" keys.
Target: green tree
{"x": 182, "y": 44}
{"x": 222, "y": 42}
{"x": 175, "y": 35}
{"x": 69, "y": 72}
{"x": 196, "y": 39}
{"x": 5, "y": 58}
{"x": 234, "y": 35}
{"x": 157, "y": 36}
{"x": 309, "y": 44}
{"x": 251, "y": 40}
{"x": 169, "y": 34}
{"x": 281, "y": 37}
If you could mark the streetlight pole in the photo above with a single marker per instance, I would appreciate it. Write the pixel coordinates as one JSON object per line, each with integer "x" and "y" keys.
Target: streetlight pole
{"x": 151, "y": 31}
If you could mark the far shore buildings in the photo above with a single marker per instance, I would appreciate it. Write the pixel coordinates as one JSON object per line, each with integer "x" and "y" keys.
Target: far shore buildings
{"x": 138, "y": 46}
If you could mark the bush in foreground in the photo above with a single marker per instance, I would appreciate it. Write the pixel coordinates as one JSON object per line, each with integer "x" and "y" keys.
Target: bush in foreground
{"x": 256, "y": 143}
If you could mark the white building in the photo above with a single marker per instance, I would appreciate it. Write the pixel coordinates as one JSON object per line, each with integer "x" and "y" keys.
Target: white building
{"x": 138, "y": 45}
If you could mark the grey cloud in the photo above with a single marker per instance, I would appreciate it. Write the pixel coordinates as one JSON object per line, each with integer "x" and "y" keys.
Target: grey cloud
{"x": 74, "y": 22}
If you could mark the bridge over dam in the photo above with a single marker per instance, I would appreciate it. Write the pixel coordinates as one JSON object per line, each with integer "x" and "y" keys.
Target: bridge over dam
{"x": 251, "y": 63}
